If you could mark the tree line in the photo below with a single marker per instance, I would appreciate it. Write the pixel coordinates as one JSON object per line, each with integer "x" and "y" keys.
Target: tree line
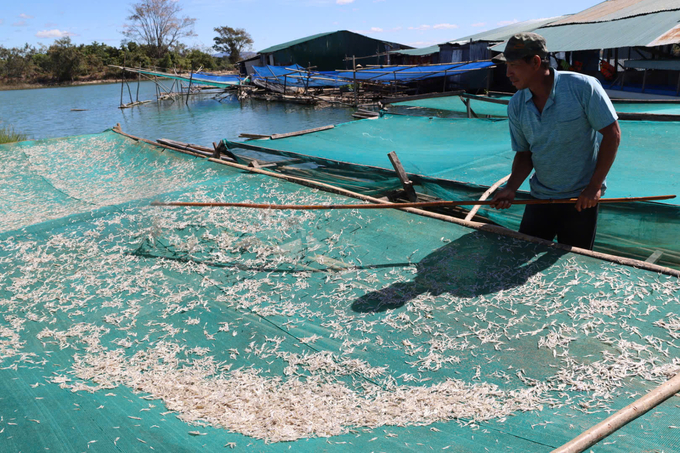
{"x": 153, "y": 39}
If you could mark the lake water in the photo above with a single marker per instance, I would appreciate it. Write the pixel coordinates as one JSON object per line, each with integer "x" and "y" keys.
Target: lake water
{"x": 46, "y": 113}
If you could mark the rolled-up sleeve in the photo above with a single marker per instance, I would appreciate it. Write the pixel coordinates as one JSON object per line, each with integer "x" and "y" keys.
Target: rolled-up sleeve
{"x": 517, "y": 138}
{"x": 598, "y": 107}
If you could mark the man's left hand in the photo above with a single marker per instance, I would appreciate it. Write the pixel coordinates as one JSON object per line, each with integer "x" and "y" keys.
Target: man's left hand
{"x": 588, "y": 198}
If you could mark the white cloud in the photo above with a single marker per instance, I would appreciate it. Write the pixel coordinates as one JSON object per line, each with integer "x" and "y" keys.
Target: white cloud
{"x": 344, "y": 2}
{"x": 420, "y": 27}
{"x": 21, "y": 23}
{"x": 507, "y": 22}
{"x": 444, "y": 26}
{"x": 479, "y": 24}
{"x": 25, "y": 16}
{"x": 376, "y": 29}
{"x": 53, "y": 34}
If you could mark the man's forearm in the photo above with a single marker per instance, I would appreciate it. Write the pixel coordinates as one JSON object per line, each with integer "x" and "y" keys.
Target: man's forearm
{"x": 521, "y": 169}
{"x": 611, "y": 137}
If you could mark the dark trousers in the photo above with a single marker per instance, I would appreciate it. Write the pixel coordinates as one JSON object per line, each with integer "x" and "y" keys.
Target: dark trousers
{"x": 562, "y": 220}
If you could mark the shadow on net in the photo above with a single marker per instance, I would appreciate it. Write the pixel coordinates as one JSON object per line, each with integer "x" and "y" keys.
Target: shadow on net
{"x": 473, "y": 265}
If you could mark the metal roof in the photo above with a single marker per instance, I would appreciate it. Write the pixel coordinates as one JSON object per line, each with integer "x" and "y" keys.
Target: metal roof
{"x": 418, "y": 52}
{"x": 295, "y": 42}
{"x": 285, "y": 45}
{"x": 503, "y": 33}
{"x": 619, "y": 9}
{"x": 647, "y": 30}
{"x": 495, "y": 35}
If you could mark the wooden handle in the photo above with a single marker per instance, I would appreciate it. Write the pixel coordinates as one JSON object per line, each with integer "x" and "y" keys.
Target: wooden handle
{"x": 425, "y": 204}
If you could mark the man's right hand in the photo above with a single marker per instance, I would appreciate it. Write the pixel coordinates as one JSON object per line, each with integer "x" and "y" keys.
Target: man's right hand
{"x": 503, "y": 198}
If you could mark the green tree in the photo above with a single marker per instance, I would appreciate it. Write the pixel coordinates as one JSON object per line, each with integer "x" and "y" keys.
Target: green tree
{"x": 232, "y": 41}
{"x": 157, "y": 23}
{"x": 17, "y": 62}
{"x": 66, "y": 60}
{"x": 198, "y": 58}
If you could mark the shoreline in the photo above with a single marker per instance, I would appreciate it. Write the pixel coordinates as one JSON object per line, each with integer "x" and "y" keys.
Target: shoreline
{"x": 35, "y": 86}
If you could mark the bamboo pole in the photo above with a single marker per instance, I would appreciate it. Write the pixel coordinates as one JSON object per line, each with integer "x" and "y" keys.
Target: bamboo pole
{"x": 622, "y": 417}
{"x": 485, "y": 195}
{"x": 425, "y": 204}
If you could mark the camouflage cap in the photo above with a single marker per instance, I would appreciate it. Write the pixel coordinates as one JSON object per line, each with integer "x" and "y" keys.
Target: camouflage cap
{"x": 522, "y": 45}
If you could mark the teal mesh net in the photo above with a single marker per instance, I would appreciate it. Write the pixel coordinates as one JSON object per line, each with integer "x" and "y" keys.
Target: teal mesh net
{"x": 127, "y": 326}
{"x": 458, "y": 159}
{"x": 439, "y": 106}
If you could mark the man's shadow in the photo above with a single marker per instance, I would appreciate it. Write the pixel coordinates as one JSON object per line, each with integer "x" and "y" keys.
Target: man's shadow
{"x": 473, "y": 265}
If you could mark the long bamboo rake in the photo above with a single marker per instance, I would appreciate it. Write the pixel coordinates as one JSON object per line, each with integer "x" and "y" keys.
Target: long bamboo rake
{"x": 425, "y": 204}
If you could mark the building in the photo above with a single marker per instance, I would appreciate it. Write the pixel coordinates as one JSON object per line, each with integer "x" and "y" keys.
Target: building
{"x": 330, "y": 51}
{"x": 638, "y": 38}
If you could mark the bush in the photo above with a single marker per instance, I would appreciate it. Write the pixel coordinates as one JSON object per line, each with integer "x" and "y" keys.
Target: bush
{"x": 9, "y": 135}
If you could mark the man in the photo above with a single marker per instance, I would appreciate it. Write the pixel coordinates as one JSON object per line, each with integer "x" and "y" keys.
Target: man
{"x": 564, "y": 127}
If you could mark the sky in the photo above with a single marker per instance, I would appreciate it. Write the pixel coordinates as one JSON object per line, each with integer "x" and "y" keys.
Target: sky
{"x": 418, "y": 23}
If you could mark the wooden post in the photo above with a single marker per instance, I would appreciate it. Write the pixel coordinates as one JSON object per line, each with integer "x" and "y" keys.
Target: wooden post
{"x": 356, "y": 89}
{"x": 129, "y": 92}
{"x": 444, "y": 89}
{"x": 285, "y": 83}
{"x": 139, "y": 79}
{"x": 191, "y": 78}
{"x": 403, "y": 177}
{"x": 122, "y": 80}
{"x": 644, "y": 80}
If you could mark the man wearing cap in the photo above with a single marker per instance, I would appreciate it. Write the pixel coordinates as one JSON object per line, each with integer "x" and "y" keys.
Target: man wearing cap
{"x": 563, "y": 127}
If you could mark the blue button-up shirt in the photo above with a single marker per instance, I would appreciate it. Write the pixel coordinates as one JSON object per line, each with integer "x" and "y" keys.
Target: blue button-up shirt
{"x": 563, "y": 139}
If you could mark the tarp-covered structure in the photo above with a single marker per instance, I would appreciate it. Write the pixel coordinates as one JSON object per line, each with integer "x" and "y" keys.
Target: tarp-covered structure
{"x": 298, "y": 77}
{"x": 127, "y": 327}
{"x": 458, "y": 159}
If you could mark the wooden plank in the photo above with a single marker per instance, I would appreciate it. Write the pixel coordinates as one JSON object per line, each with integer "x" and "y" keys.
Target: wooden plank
{"x": 647, "y": 117}
{"x": 654, "y": 257}
{"x": 416, "y": 97}
{"x": 253, "y": 136}
{"x": 485, "y": 99}
{"x": 403, "y": 177}
{"x": 306, "y": 131}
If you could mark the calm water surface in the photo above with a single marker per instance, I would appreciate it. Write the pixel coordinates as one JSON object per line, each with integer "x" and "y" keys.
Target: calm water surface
{"x": 46, "y": 113}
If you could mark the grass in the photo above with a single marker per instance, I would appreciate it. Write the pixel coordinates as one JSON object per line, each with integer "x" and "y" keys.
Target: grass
{"x": 9, "y": 135}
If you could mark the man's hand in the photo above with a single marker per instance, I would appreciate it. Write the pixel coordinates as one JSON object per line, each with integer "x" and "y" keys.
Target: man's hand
{"x": 503, "y": 198}
{"x": 588, "y": 198}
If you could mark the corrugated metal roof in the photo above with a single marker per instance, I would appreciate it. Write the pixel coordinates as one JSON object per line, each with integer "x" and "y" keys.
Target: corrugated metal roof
{"x": 645, "y": 31}
{"x": 503, "y": 33}
{"x": 619, "y": 9}
{"x": 285, "y": 45}
{"x": 418, "y": 52}
{"x": 497, "y": 34}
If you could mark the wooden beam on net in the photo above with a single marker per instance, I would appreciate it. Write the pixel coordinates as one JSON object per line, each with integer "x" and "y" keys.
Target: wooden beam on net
{"x": 403, "y": 177}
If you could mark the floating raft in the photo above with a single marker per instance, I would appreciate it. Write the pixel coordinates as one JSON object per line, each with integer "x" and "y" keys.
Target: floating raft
{"x": 127, "y": 326}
